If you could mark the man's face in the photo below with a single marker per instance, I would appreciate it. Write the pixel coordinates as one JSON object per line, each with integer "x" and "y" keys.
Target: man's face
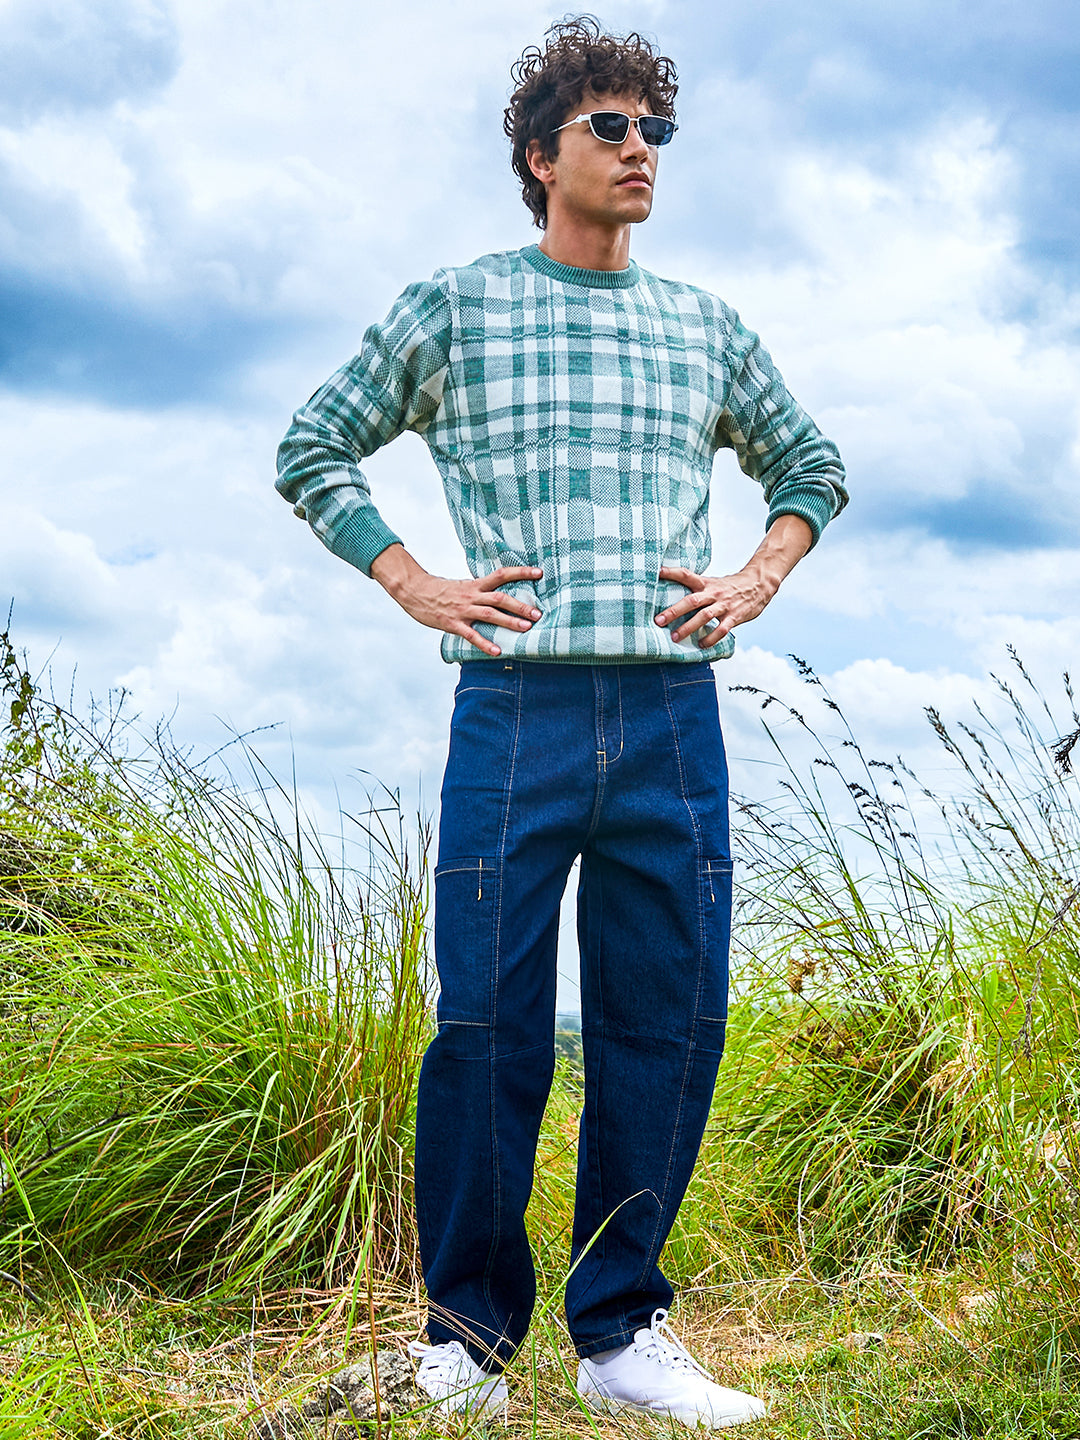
{"x": 592, "y": 180}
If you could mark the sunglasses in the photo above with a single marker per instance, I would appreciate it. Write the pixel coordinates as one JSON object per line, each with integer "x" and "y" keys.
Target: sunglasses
{"x": 613, "y": 126}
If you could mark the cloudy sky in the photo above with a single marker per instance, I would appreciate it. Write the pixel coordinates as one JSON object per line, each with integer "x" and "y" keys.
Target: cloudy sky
{"x": 203, "y": 203}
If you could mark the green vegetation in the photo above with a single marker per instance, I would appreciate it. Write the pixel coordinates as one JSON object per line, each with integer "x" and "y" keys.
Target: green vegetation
{"x": 211, "y": 1030}
{"x": 211, "y": 1036}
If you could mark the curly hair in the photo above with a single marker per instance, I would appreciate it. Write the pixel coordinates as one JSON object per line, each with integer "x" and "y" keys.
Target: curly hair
{"x": 576, "y": 57}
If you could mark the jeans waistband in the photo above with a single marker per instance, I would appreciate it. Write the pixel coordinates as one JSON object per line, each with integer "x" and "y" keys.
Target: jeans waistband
{"x": 492, "y": 666}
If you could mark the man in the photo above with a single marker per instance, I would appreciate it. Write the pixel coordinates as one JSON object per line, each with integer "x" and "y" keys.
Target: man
{"x": 573, "y": 404}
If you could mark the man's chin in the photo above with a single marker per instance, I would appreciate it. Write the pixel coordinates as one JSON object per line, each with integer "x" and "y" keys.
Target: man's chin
{"x": 635, "y": 206}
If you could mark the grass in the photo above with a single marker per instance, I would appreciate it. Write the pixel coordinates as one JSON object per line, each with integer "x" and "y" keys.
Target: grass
{"x": 211, "y": 1033}
{"x": 210, "y": 1044}
{"x": 160, "y": 1367}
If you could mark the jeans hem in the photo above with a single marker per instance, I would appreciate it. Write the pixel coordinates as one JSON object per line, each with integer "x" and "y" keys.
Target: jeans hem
{"x": 484, "y": 1356}
{"x": 607, "y": 1342}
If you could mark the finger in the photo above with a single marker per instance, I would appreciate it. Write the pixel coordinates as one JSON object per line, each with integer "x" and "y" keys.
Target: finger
{"x": 696, "y": 622}
{"x": 681, "y": 607}
{"x": 714, "y": 637}
{"x": 509, "y": 572}
{"x": 509, "y": 602}
{"x": 488, "y": 646}
{"x": 499, "y": 617}
{"x": 682, "y": 576}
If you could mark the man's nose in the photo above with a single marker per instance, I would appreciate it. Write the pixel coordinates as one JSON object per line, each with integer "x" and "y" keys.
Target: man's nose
{"x": 634, "y": 146}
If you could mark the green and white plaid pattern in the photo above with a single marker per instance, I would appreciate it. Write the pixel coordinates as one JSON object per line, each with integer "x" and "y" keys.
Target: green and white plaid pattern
{"x": 573, "y": 416}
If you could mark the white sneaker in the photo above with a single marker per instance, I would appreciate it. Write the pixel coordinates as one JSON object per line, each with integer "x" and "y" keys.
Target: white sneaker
{"x": 450, "y": 1375}
{"x": 657, "y": 1376}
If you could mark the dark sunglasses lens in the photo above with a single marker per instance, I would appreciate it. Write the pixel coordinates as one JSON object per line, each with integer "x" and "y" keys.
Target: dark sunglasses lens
{"x": 655, "y": 130}
{"x": 609, "y": 125}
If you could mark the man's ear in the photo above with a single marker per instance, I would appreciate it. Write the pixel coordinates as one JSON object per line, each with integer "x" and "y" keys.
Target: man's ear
{"x": 538, "y": 163}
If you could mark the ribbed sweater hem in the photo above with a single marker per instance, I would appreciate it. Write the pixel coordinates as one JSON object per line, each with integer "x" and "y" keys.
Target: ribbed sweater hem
{"x": 723, "y": 650}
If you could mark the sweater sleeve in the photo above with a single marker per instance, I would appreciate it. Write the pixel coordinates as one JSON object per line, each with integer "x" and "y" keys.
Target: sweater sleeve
{"x": 394, "y": 384}
{"x": 774, "y": 439}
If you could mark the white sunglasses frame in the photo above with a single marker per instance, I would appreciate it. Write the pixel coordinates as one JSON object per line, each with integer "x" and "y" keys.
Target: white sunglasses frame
{"x": 631, "y": 119}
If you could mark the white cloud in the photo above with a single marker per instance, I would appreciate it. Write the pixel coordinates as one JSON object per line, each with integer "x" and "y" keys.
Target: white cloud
{"x": 291, "y": 177}
{"x": 71, "y": 55}
{"x": 896, "y": 320}
{"x": 56, "y": 574}
{"x": 307, "y": 171}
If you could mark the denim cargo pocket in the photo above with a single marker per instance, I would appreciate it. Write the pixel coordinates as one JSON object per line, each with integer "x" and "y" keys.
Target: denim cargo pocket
{"x": 716, "y": 882}
{"x": 465, "y": 910}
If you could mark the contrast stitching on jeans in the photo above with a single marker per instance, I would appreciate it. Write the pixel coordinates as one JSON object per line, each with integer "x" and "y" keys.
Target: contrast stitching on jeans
{"x": 597, "y": 1250}
{"x": 626, "y": 1335}
{"x": 699, "y": 855}
{"x": 524, "y": 1050}
{"x": 699, "y": 846}
{"x": 719, "y": 867}
{"x": 496, "y": 1188}
{"x": 699, "y": 672}
{"x": 625, "y": 1033}
{"x": 601, "y": 751}
{"x": 500, "y": 852}
{"x": 714, "y": 867}
{"x": 451, "y": 869}
{"x": 618, "y": 706}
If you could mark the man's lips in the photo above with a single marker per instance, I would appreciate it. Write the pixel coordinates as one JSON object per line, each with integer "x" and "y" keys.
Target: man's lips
{"x": 635, "y": 180}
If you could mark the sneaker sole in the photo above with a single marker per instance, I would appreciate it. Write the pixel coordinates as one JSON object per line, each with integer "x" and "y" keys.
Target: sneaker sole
{"x": 489, "y": 1408}
{"x": 610, "y": 1406}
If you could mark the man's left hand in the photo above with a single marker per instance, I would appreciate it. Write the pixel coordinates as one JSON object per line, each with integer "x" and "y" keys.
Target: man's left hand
{"x": 731, "y": 600}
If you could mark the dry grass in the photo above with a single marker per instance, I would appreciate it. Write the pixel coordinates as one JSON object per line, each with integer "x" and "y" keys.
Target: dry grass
{"x": 160, "y": 1367}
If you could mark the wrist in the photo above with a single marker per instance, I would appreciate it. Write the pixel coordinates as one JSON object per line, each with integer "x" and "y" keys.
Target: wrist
{"x": 766, "y": 571}
{"x": 786, "y": 542}
{"x": 393, "y": 568}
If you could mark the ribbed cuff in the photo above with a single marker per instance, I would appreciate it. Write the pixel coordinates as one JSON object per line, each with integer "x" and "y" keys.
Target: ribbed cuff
{"x": 811, "y": 505}
{"x": 361, "y": 537}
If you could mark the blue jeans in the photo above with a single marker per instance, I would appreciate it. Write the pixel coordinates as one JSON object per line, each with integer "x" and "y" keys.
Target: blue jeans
{"x": 623, "y": 765}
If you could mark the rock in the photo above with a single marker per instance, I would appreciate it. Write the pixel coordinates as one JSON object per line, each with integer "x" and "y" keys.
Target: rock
{"x": 863, "y": 1340}
{"x": 974, "y": 1306}
{"x": 350, "y": 1394}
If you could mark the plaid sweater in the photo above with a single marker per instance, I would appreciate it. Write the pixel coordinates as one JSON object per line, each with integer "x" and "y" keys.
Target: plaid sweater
{"x": 573, "y": 416}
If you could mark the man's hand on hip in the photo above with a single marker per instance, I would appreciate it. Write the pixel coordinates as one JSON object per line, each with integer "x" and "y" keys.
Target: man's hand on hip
{"x": 456, "y": 605}
{"x": 731, "y": 600}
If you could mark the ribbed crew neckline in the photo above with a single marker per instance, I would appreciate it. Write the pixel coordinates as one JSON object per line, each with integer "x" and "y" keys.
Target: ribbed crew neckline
{"x": 574, "y": 275}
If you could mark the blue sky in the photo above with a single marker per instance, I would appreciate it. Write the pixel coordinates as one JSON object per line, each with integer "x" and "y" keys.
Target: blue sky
{"x": 203, "y": 203}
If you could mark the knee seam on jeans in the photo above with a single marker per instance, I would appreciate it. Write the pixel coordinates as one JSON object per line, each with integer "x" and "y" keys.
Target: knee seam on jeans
{"x": 524, "y": 1050}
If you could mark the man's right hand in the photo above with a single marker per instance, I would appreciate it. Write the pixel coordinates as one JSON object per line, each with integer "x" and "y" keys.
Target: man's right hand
{"x": 455, "y": 605}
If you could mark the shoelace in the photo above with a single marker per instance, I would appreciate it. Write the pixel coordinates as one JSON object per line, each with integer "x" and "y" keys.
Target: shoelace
{"x": 666, "y": 1348}
{"x": 444, "y": 1364}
